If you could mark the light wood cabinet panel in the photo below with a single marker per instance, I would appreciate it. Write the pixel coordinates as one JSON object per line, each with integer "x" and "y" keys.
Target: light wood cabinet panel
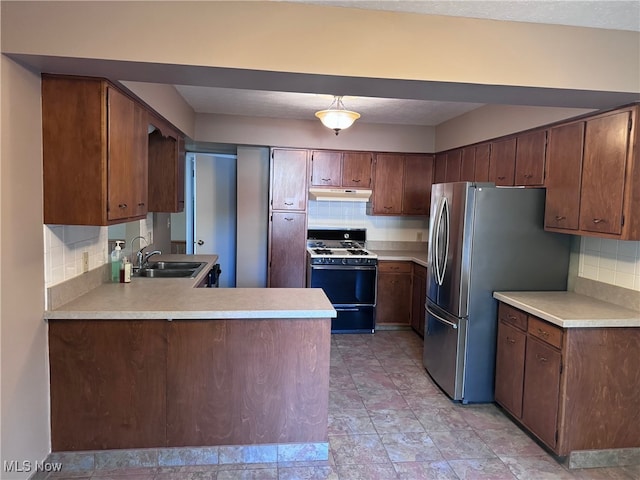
{"x": 564, "y": 173}
{"x": 394, "y": 293}
{"x": 603, "y": 173}
{"x": 356, "y": 169}
{"x": 530, "y": 158}
{"x": 288, "y": 254}
{"x": 502, "y": 162}
{"x": 388, "y": 184}
{"x": 289, "y": 179}
{"x": 326, "y": 168}
{"x": 108, "y": 384}
{"x": 418, "y": 178}
{"x": 94, "y": 152}
{"x": 166, "y": 168}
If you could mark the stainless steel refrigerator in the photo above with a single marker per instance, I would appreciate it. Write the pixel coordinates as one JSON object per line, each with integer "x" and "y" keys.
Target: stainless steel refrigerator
{"x": 482, "y": 238}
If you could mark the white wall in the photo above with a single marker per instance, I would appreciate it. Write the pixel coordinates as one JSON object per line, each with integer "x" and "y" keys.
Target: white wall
{"x": 24, "y": 400}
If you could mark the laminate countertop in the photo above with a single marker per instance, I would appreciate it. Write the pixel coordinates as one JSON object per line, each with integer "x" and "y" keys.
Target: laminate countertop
{"x": 180, "y": 299}
{"x": 571, "y": 310}
{"x": 419, "y": 257}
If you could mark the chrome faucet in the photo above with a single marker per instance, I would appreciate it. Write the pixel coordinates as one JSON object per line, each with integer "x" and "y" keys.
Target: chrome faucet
{"x": 143, "y": 259}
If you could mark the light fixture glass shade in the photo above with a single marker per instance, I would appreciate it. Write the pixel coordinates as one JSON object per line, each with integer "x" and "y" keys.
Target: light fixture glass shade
{"x": 336, "y": 117}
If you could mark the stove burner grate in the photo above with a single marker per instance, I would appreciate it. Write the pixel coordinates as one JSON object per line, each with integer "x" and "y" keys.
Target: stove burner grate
{"x": 357, "y": 251}
{"x": 322, "y": 251}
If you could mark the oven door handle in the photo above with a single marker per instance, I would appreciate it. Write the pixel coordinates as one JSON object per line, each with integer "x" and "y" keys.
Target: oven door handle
{"x": 343, "y": 267}
{"x": 347, "y": 309}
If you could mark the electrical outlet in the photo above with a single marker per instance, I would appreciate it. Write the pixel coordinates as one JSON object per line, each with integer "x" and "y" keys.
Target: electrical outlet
{"x": 85, "y": 262}
{"x": 150, "y": 237}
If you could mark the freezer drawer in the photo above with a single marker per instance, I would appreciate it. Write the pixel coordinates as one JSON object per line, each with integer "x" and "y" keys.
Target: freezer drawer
{"x": 444, "y": 350}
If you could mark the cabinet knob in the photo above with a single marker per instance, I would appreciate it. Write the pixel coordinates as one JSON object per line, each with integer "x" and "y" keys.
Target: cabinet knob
{"x": 540, "y": 358}
{"x": 511, "y": 340}
{"x": 599, "y": 220}
{"x": 326, "y": 179}
{"x": 288, "y": 219}
{"x": 355, "y": 180}
{"x": 501, "y": 178}
{"x": 141, "y": 204}
{"x": 122, "y": 205}
{"x": 387, "y": 208}
{"x": 543, "y": 333}
{"x": 287, "y": 203}
{"x": 560, "y": 217}
{"x": 527, "y": 175}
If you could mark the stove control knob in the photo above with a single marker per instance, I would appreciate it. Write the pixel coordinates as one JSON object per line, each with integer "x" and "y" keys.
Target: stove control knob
{"x": 344, "y": 261}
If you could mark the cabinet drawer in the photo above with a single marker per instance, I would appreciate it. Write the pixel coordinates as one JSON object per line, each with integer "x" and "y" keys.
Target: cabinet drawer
{"x": 545, "y": 331}
{"x": 512, "y": 316}
{"x": 394, "y": 267}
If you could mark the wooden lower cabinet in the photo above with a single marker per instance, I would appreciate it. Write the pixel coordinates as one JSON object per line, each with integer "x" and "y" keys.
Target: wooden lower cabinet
{"x": 153, "y": 383}
{"x": 419, "y": 298}
{"x": 288, "y": 250}
{"x": 572, "y": 388}
{"x": 394, "y": 293}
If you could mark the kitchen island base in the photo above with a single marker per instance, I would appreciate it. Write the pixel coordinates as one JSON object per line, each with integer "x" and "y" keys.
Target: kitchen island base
{"x": 129, "y": 384}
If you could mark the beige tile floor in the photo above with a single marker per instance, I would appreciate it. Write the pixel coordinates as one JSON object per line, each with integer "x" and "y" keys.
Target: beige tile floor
{"x": 387, "y": 420}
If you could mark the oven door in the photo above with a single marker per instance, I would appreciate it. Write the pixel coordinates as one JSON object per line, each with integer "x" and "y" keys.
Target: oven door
{"x": 345, "y": 285}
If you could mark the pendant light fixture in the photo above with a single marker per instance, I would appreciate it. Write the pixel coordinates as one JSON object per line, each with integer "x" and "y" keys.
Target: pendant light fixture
{"x": 336, "y": 117}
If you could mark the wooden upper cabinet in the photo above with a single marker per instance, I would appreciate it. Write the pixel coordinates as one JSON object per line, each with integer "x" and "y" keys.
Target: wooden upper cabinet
{"x": 418, "y": 178}
{"x": 326, "y": 168}
{"x": 482, "y": 154}
{"x": 468, "y": 164}
{"x": 502, "y": 162}
{"x": 454, "y": 163}
{"x": 166, "y": 168}
{"x": 388, "y": 184}
{"x": 289, "y": 177}
{"x": 530, "y": 158}
{"x": 604, "y": 169}
{"x": 356, "y": 169}
{"x": 440, "y": 168}
{"x": 564, "y": 173}
{"x": 94, "y": 140}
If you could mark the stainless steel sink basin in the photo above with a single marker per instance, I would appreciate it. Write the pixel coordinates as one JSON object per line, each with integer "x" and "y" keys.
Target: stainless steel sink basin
{"x": 174, "y": 265}
{"x": 164, "y": 269}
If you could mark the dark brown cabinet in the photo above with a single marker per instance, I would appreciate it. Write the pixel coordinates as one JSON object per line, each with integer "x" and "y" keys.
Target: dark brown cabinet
{"x": 593, "y": 185}
{"x": 474, "y": 163}
{"x": 418, "y": 298}
{"x": 166, "y": 168}
{"x": 569, "y": 387}
{"x": 341, "y": 169}
{"x": 447, "y": 167}
{"x": 402, "y": 184}
{"x": 502, "y": 162}
{"x": 564, "y": 173}
{"x": 530, "y": 158}
{"x": 356, "y": 169}
{"x": 95, "y": 147}
{"x": 394, "y": 293}
{"x": 288, "y": 218}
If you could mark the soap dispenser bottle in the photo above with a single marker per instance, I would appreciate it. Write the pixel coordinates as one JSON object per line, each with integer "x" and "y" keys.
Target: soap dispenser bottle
{"x": 116, "y": 259}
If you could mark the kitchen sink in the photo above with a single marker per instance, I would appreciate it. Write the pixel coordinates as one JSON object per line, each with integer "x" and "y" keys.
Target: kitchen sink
{"x": 164, "y": 269}
{"x": 162, "y": 265}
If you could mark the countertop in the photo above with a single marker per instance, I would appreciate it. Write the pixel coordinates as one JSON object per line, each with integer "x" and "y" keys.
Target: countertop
{"x": 419, "y": 257}
{"x": 179, "y": 299}
{"x": 571, "y": 310}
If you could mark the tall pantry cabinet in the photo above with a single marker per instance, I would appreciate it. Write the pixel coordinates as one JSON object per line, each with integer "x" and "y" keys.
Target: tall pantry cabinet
{"x": 288, "y": 218}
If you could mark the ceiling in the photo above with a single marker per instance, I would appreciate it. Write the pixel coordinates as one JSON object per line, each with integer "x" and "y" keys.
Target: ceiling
{"x": 617, "y": 15}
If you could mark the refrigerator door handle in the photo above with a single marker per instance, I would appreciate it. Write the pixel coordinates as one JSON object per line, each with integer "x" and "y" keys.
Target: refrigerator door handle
{"x": 440, "y": 319}
{"x": 440, "y": 261}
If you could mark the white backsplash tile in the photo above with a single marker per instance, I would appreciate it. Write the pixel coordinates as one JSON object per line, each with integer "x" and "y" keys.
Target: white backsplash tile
{"x": 615, "y": 262}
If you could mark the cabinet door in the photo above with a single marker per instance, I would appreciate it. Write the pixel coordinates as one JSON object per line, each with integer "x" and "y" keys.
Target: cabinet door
{"x": 502, "y": 162}
{"x": 356, "y": 169}
{"x": 440, "y": 168}
{"x": 127, "y": 157}
{"x": 418, "y": 178}
{"x": 564, "y": 173}
{"x": 326, "y": 169}
{"x": 530, "y": 157}
{"x": 289, "y": 177}
{"x": 468, "y": 168}
{"x": 418, "y": 298}
{"x": 393, "y": 304}
{"x": 510, "y": 360}
{"x": 603, "y": 173}
{"x": 541, "y": 390}
{"x": 288, "y": 254}
{"x": 166, "y": 172}
{"x": 482, "y": 153}
{"x": 454, "y": 160}
{"x": 388, "y": 183}
{"x": 113, "y": 366}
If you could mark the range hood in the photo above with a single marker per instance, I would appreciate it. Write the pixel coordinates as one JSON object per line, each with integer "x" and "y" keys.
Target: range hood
{"x": 339, "y": 194}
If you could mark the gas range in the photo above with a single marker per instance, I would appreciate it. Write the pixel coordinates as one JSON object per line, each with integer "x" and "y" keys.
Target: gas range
{"x": 339, "y": 247}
